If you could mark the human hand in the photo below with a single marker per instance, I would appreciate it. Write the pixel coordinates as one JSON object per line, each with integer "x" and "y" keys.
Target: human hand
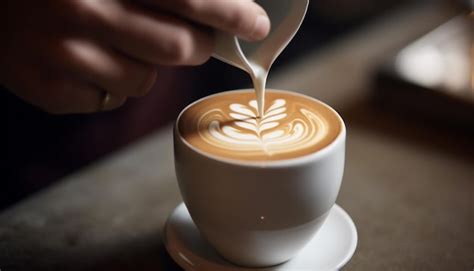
{"x": 65, "y": 56}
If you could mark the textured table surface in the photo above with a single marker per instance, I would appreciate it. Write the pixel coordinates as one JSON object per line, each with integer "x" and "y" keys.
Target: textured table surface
{"x": 408, "y": 188}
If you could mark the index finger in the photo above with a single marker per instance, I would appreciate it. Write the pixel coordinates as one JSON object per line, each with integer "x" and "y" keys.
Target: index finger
{"x": 243, "y": 18}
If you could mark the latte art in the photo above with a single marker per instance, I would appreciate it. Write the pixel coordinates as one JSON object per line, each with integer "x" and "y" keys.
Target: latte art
{"x": 227, "y": 125}
{"x": 274, "y": 133}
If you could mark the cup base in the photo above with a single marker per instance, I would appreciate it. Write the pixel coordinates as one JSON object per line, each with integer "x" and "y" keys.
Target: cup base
{"x": 330, "y": 249}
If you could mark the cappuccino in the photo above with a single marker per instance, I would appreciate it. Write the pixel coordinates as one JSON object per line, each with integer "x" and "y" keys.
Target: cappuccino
{"x": 228, "y": 125}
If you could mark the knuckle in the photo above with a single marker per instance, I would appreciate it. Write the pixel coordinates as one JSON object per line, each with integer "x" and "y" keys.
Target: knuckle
{"x": 72, "y": 56}
{"x": 63, "y": 52}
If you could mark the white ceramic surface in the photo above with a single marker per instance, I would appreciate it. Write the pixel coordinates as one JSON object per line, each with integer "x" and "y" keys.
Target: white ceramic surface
{"x": 330, "y": 249}
{"x": 259, "y": 213}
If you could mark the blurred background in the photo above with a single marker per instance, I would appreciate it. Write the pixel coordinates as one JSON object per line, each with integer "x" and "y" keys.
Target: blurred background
{"x": 427, "y": 74}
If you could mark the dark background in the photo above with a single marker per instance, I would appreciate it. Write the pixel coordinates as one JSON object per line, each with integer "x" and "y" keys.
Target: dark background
{"x": 41, "y": 148}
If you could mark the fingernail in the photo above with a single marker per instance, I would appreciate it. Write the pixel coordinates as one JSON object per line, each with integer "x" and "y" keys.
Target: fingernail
{"x": 261, "y": 28}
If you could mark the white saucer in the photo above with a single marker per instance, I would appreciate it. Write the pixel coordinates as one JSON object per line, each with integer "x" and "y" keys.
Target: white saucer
{"x": 330, "y": 249}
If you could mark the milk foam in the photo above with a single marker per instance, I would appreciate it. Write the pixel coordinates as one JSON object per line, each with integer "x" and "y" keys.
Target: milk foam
{"x": 291, "y": 126}
{"x": 269, "y": 134}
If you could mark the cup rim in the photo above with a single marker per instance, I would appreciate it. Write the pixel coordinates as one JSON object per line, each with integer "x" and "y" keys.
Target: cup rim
{"x": 270, "y": 163}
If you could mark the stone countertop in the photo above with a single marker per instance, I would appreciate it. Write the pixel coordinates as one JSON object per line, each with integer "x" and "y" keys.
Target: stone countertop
{"x": 408, "y": 188}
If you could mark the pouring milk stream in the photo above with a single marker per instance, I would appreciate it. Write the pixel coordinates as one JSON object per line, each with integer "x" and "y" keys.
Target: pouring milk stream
{"x": 256, "y": 58}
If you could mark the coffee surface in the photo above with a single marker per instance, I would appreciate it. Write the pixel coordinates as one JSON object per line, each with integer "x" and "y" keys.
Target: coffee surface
{"x": 226, "y": 125}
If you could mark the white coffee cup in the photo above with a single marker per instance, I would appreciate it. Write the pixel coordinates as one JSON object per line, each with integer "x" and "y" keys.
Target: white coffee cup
{"x": 259, "y": 213}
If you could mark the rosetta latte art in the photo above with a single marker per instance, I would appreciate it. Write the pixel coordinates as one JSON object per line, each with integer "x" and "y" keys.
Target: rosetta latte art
{"x": 278, "y": 131}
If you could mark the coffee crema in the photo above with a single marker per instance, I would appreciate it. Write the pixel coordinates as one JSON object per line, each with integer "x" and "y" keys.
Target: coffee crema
{"x": 226, "y": 125}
